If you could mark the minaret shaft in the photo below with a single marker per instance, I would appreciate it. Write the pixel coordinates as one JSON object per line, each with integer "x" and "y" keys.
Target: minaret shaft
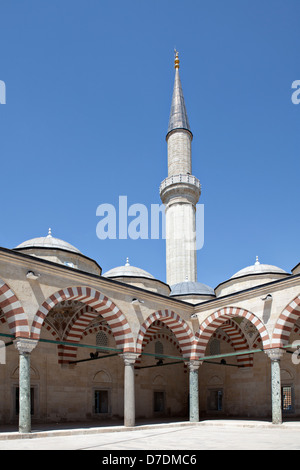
{"x": 179, "y": 153}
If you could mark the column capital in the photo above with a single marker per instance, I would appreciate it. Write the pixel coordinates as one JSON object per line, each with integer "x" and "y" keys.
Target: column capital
{"x": 194, "y": 364}
{"x": 275, "y": 354}
{"x": 129, "y": 358}
{"x": 25, "y": 345}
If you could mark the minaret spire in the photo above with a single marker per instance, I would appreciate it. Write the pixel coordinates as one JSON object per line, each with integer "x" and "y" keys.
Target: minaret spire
{"x": 178, "y": 115}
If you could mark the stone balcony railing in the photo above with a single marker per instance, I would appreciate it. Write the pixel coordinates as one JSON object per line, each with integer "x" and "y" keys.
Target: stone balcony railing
{"x": 189, "y": 179}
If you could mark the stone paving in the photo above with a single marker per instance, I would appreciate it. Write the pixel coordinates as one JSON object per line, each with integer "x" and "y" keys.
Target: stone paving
{"x": 207, "y": 435}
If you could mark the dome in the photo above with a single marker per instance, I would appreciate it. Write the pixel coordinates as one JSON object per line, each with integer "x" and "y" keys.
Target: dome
{"x": 191, "y": 288}
{"x": 48, "y": 242}
{"x": 58, "y": 251}
{"x": 249, "y": 277}
{"x": 127, "y": 271}
{"x": 137, "y": 277}
{"x": 258, "y": 268}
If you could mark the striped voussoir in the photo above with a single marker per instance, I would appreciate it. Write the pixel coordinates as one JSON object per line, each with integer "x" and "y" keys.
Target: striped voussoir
{"x": 173, "y": 321}
{"x": 13, "y": 311}
{"x": 97, "y": 302}
{"x": 217, "y": 319}
{"x": 154, "y": 334}
{"x": 238, "y": 342}
{"x": 285, "y": 323}
{"x": 75, "y": 332}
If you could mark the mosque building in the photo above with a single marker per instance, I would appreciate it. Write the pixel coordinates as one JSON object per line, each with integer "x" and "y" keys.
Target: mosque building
{"x": 79, "y": 345}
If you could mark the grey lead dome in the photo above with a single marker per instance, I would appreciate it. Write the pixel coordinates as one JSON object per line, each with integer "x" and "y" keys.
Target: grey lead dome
{"x": 48, "y": 242}
{"x": 189, "y": 288}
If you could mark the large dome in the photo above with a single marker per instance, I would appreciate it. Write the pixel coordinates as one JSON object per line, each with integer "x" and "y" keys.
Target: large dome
{"x": 48, "y": 242}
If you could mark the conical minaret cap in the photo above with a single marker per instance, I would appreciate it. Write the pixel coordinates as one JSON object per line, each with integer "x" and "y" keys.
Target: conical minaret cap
{"x": 178, "y": 115}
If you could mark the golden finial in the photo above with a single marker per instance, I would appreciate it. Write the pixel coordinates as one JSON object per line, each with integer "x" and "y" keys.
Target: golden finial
{"x": 176, "y": 59}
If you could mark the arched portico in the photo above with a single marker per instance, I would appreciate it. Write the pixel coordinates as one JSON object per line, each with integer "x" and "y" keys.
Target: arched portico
{"x": 95, "y": 304}
{"x": 181, "y": 338}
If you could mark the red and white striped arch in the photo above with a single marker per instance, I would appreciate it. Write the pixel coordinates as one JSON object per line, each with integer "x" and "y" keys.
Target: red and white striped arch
{"x": 285, "y": 323}
{"x": 217, "y": 319}
{"x": 172, "y": 320}
{"x": 97, "y": 302}
{"x": 13, "y": 311}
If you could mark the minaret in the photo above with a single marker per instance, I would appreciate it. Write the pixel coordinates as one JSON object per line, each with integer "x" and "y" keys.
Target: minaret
{"x": 180, "y": 192}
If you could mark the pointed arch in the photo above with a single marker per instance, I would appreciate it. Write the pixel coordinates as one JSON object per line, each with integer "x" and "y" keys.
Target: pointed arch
{"x": 101, "y": 304}
{"x": 285, "y": 323}
{"x": 13, "y": 312}
{"x": 173, "y": 321}
{"x": 217, "y": 319}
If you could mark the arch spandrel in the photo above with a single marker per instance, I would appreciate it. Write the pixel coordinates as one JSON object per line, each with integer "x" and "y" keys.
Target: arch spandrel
{"x": 13, "y": 312}
{"x": 285, "y": 323}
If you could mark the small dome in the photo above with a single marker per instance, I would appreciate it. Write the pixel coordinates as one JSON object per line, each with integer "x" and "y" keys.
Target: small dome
{"x": 127, "y": 271}
{"x": 191, "y": 288}
{"x": 48, "y": 242}
{"x": 258, "y": 268}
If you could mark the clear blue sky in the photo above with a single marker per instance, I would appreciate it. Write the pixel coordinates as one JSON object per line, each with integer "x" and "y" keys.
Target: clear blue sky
{"x": 89, "y": 87}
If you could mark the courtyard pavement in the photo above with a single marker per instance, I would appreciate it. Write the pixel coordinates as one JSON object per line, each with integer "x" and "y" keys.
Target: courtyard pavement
{"x": 167, "y": 438}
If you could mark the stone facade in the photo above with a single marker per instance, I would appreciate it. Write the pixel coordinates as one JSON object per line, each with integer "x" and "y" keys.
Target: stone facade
{"x": 65, "y": 389}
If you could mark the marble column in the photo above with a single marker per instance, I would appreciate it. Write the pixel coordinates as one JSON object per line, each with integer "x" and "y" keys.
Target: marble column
{"x": 275, "y": 356}
{"x": 129, "y": 389}
{"x": 194, "y": 390}
{"x": 25, "y": 347}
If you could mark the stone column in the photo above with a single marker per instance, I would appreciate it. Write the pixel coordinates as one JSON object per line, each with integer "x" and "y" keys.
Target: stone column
{"x": 194, "y": 390}
{"x": 129, "y": 389}
{"x": 25, "y": 347}
{"x": 275, "y": 356}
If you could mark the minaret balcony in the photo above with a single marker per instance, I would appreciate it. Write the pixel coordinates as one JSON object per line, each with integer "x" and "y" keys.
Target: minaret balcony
{"x": 183, "y": 188}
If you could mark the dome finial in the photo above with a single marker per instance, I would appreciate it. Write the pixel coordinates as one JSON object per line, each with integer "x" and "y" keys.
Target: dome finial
{"x": 176, "y": 59}
{"x": 49, "y": 233}
{"x": 127, "y": 262}
{"x": 257, "y": 262}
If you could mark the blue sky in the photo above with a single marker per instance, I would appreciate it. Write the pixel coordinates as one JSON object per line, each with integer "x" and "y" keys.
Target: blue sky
{"x": 88, "y": 95}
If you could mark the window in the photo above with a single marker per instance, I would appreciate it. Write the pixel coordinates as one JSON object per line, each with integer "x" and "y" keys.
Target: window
{"x": 215, "y": 400}
{"x": 101, "y": 401}
{"x": 159, "y": 402}
{"x": 69, "y": 264}
{"x": 101, "y": 340}
{"x": 214, "y": 347}
{"x": 159, "y": 350}
{"x": 287, "y": 399}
